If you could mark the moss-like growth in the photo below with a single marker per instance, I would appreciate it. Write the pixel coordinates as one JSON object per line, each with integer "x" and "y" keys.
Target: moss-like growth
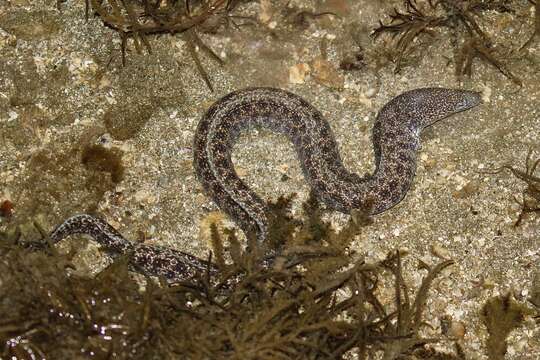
{"x": 315, "y": 302}
{"x": 99, "y": 158}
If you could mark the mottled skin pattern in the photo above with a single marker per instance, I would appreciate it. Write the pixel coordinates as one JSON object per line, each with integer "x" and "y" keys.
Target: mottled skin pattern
{"x": 171, "y": 264}
{"x": 396, "y": 138}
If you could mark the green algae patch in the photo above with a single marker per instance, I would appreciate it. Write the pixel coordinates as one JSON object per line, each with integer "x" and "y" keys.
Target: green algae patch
{"x": 99, "y": 158}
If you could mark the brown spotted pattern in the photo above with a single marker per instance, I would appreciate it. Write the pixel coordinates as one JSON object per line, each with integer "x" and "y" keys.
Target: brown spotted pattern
{"x": 171, "y": 264}
{"x": 395, "y": 139}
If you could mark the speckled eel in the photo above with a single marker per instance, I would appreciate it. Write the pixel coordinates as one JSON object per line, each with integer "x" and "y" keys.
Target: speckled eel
{"x": 396, "y": 138}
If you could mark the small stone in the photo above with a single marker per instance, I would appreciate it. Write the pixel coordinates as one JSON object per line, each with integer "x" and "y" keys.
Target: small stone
{"x": 370, "y": 92}
{"x": 143, "y": 196}
{"x": 457, "y": 329}
{"x": 440, "y": 252}
{"x": 486, "y": 94}
{"x": 480, "y": 242}
{"x": 242, "y": 172}
{"x": 445, "y": 173}
{"x": 265, "y": 15}
{"x": 151, "y": 231}
{"x": 283, "y": 168}
{"x": 298, "y": 73}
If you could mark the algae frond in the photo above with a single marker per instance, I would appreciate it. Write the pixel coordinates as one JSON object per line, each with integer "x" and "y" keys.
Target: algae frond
{"x": 530, "y": 197}
{"x": 136, "y": 20}
{"x": 502, "y": 315}
{"x": 316, "y": 302}
{"x": 422, "y": 21}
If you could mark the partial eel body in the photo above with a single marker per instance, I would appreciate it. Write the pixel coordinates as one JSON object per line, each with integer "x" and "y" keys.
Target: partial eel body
{"x": 396, "y": 138}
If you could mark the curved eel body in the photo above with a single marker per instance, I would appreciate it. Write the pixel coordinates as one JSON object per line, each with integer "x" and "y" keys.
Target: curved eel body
{"x": 396, "y": 138}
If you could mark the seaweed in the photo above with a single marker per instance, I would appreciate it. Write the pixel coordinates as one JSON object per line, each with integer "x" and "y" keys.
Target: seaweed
{"x": 294, "y": 309}
{"x": 530, "y": 197}
{"x": 536, "y": 33}
{"x": 407, "y": 26}
{"x": 501, "y": 315}
{"x": 137, "y": 19}
{"x": 409, "y": 315}
{"x": 461, "y": 18}
{"x": 99, "y": 158}
{"x": 192, "y": 43}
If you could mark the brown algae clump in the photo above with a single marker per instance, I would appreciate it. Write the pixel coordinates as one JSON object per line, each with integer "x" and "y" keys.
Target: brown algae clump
{"x": 465, "y": 24}
{"x": 315, "y": 302}
{"x": 99, "y": 158}
{"x": 502, "y": 315}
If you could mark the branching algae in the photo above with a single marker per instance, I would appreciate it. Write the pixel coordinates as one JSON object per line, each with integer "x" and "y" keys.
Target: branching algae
{"x": 530, "y": 197}
{"x": 421, "y": 21}
{"x": 315, "y": 302}
{"x": 138, "y": 19}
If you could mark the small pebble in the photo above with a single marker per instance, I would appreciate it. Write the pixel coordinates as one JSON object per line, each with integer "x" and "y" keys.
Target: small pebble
{"x": 440, "y": 252}
{"x": 457, "y": 330}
